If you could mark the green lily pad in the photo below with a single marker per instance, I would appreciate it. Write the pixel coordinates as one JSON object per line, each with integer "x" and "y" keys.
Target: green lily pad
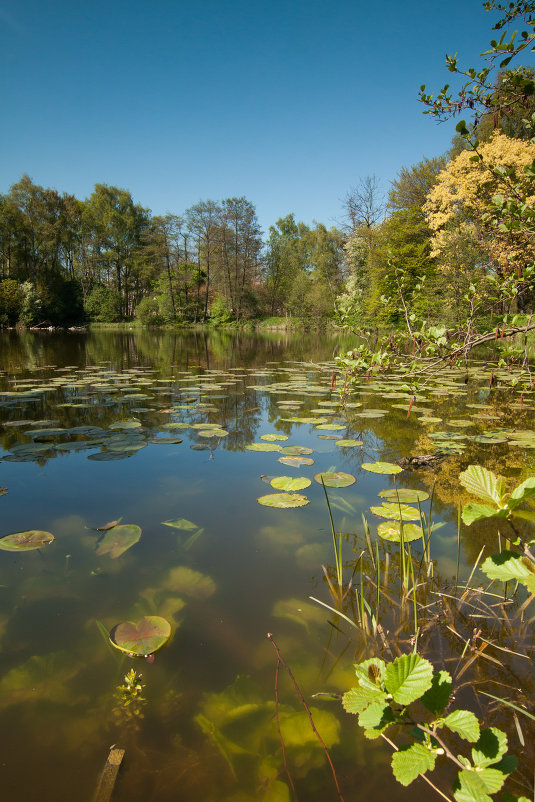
{"x": 143, "y": 638}
{"x": 391, "y": 530}
{"x": 132, "y": 423}
{"x": 290, "y": 483}
{"x": 271, "y": 438}
{"x": 296, "y": 462}
{"x": 296, "y": 451}
{"x": 283, "y": 500}
{"x": 263, "y": 447}
{"x": 118, "y": 539}
{"x": 163, "y": 441}
{"x": 385, "y": 468}
{"x": 335, "y": 479}
{"x": 349, "y": 443}
{"x": 396, "y": 511}
{"x": 25, "y": 541}
{"x": 182, "y": 523}
{"x": 212, "y": 433}
{"x": 332, "y": 427}
{"x": 404, "y": 495}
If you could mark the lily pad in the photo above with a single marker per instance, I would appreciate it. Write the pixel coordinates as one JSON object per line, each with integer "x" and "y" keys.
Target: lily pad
{"x": 385, "y": 468}
{"x": 296, "y": 462}
{"x": 263, "y": 447}
{"x": 212, "y": 433}
{"x": 283, "y": 500}
{"x": 182, "y": 523}
{"x": 118, "y": 539}
{"x": 296, "y": 451}
{"x": 159, "y": 441}
{"x": 391, "y": 530}
{"x": 290, "y": 483}
{"x": 25, "y": 541}
{"x": 143, "y": 638}
{"x": 335, "y": 479}
{"x": 404, "y": 495}
{"x": 271, "y": 438}
{"x": 396, "y": 511}
{"x": 332, "y": 427}
{"x": 349, "y": 443}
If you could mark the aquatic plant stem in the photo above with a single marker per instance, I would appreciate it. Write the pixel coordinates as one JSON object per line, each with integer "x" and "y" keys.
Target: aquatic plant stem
{"x": 281, "y": 739}
{"x": 281, "y": 661}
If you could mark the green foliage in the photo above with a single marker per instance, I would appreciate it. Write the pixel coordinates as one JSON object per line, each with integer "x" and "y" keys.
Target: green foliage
{"x": 489, "y": 487}
{"x": 220, "y": 311}
{"x": 30, "y": 312}
{"x": 103, "y": 305}
{"x": 388, "y": 695}
{"x": 148, "y": 312}
{"x": 11, "y": 299}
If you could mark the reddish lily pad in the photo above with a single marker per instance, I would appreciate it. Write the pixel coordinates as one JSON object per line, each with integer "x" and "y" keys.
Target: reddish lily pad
{"x": 143, "y": 638}
{"x": 25, "y": 541}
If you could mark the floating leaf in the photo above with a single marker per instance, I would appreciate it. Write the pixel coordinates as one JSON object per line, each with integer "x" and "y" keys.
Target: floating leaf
{"x": 263, "y": 447}
{"x": 405, "y": 495}
{"x": 283, "y": 500}
{"x": 289, "y": 483}
{"x": 159, "y": 441}
{"x": 386, "y": 468}
{"x": 295, "y": 451}
{"x": 396, "y": 511}
{"x": 271, "y": 438}
{"x": 348, "y": 443}
{"x": 335, "y": 479}
{"x": 391, "y": 530}
{"x": 182, "y": 523}
{"x": 118, "y": 539}
{"x": 332, "y": 427}
{"x": 25, "y": 541}
{"x": 143, "y": 638}
{"x": 296, "y": 462}
{"x": 109, "y": 525}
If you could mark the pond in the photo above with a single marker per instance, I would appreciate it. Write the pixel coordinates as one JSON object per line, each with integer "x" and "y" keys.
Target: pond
{"x": 144, "y": 455}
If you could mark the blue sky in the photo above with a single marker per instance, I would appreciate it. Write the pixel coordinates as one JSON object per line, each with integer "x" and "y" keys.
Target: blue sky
{"x": 288, "y": 103}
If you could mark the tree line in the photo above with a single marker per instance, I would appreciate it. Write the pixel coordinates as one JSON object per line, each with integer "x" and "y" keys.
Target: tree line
{"x": 429, "y": 244}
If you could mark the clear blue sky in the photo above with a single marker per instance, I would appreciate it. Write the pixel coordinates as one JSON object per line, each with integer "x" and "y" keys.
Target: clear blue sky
{"x": 284, "y": 101}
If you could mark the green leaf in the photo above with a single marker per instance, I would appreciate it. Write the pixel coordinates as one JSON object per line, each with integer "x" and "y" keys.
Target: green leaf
{"x": 483, "y": 483}
{"x": 464, "y": 723}
{"x": 25, "y": 541}
{"x": 357, "y": 699}
{"x": 508, "y": 565}
{"x": 523, "y": 491}
{"x": 478, "y": 512}
{"x": 490, "y": 747}
{"x": 391, "y": 530}
{"x": 118, "y": 539}
{"x": 182, "y": 523}
{"x": 408, "y": 763}
{"x": 283, "y": 500}
{"x": 289, "y": 483}
{"x": 334, "y": 479}
{"x": 396, "y": 511}
{"x": 408, "y": 678}
{"x": 386, "y": 468}
{"x": 371, "y": 673}
{"x": 469, "y": 787}
{"x": 437, "y": 697}
{"x": 493, "y": 779}
{"x": 376, "y": 716}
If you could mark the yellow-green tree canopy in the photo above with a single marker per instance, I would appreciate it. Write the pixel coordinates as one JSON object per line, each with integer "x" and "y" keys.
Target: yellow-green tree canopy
{"x": 463, "y": 195}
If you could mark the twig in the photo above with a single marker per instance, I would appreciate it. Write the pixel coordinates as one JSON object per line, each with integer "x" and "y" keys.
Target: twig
{"x": 280, "y": 661}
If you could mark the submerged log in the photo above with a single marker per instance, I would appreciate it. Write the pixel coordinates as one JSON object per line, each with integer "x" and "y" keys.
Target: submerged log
{"x": 423, "y": 461}
{"x": 107, "y": 779}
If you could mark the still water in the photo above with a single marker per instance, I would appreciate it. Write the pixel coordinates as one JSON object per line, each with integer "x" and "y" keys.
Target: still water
{"x": 151, "y": 430}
